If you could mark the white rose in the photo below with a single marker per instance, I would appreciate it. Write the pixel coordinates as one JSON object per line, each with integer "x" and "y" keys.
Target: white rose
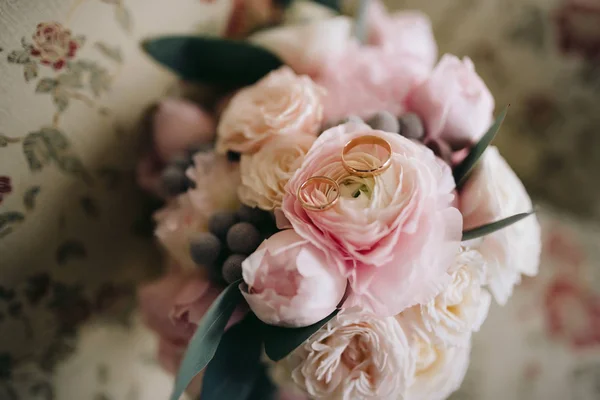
{"x": 460, "y": 309}
{"x": 281, "y": 103}
{"x": 355, "y": 356}
{"x": 494, "y": 192}
{"x": 439, "y": 370}
{"x": 265, "y": 173}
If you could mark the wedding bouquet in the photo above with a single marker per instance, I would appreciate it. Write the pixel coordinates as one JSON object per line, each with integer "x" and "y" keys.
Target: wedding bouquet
{"x": 336, "y": 221}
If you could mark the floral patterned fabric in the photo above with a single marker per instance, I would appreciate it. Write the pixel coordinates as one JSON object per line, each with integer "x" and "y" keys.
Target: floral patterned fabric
{"x": 73, "y": 230}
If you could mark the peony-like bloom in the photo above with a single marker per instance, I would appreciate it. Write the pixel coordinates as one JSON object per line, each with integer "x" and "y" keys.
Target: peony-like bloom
{"x": 173, "y": 306}
{"x": 394, "y": 235}
{"x": 460, "y": 309}
{"x": 494, "y": 192}
{"x": 282, "y": 103}
{"x": 440, "y": 369}
{"x": 454, "y": 103}
{"x": 178, "y": 125}
{"x": 356, "y": 355}
{"x": 54, "y": 44}
{"x": 264, "y": 174}
{"x": 360, "y": 79}
{"x": 216, "y": 182}
{"x": 290, "y": 282}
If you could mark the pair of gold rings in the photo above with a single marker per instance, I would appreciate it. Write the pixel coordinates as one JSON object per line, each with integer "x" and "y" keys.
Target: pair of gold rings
{"x": 330, "y": 196}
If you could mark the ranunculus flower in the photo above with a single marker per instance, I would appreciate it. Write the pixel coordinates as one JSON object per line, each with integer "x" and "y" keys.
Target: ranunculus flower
{"x": 460, "y": 309}
{"x": 178, "y": 125}
{"x": 290, "y": 282}
{"x": 216, "y": 182}
{"x": 440, "y": 369}
{"x": 54, "y": 44}
{"x": 454, "y": 102}
{"x": 494, "y": 192}
{"x": 359, "y": 79}
{"x": 356, "y": 355}
{"x": 173, "y": 306}
{"x": 282, "y": 103}
{"x": 264, "y": 174}
{"x": 394, "y": 235}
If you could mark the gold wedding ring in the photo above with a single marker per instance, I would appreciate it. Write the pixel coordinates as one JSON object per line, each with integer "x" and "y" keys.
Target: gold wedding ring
{"x": 367, "y": 139}
{"x": 304, "y": 197}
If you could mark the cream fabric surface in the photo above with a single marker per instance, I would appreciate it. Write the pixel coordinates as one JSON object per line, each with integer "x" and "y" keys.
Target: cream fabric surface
{"x": 72, "y": 244}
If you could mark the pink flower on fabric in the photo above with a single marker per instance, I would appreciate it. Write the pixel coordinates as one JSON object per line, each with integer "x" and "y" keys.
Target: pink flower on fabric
{"x": 394, "y": 236}
{"x": 290, "y": 282}
{"x": 454, "y": 102}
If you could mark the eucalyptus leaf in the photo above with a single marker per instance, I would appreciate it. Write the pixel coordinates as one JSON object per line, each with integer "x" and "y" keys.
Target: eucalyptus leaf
{"x": 235, "y": 368}
{"x": 213, "y": 60}
{"x": 279, "y": 341}
{"x": 493, "y": 226}
{"x": 335, "y": 5}
{"x": 205, "y": 341}
{"x": 461, "y": 172}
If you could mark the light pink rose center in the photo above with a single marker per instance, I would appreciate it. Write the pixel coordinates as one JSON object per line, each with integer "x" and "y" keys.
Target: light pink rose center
{"x": 283, "y": 282}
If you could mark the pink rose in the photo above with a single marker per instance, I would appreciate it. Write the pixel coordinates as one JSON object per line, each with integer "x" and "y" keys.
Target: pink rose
{"x": 493, "y": 192}
{"x": 54, "y": 44}
{"x": 359, "y": 79}
{"x": 394, "y": 235}
{"x": 188, "y": 213}
{"x": 282, "y": 103}
{"x": 454, "y": 103}
{"x": 178, "y": 125}
{"x": 173, "y": 306}
{"x": 290, "y": 282}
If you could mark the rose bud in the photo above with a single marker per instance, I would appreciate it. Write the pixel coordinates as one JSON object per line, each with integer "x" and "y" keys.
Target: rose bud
{"x": 290, "y": 282}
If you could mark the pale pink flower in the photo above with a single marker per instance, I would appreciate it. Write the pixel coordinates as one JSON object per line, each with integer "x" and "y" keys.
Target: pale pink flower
{"x": 454, "y": 102}
{"x": 173, "y": 306}
{"x": 394, "y": 235}
{"x": 356, "y": 355}
{"x": 178, "y": 125}
{"x": 282, "y": 103}
{"x": 216, "y": 181}
{"x": 265, "y": 173}
{"x": 360, "y": 79}
{"x": 494, "y": 192}
{"x": 290, "y": 282}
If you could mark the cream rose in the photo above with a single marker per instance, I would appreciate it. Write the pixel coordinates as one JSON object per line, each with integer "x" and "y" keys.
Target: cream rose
{"x": 282, "y": 103}
{"x": 460, "y": 309}
{"x": 355, "y": 356}
{"x": 439, "y": 370}
{"x": 494, "y": 192}
{"x": 265, "y": 173}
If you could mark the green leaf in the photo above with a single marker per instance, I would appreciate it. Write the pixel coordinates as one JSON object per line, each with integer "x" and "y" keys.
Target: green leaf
{"x": 99, "y": 81}
{"x": 69, "y": 250}
{"x": 279, "y": 342}
{"x": 123, "y": 17}
{"x": 60, "y": 100}
{"x": 46, "y": 85}
{"x": 18, "y": 57}
{"x": 263, "y": 388}
{"x": 30, "y": 71}
{"x": 71, "y": 79}
{"x": 8, "y": 220}
{"x": 333, "y": 4}
{"x": 30, "y": 196}
{"x": 72, "y": 165}
{"x": 461, "y": 172}
{"x": 36, "y": 151}
{"x": 205, "y": 341}
{"x": 114, "y": 53}
{"x": 213, "y": 60}
{"x": 5, "y": 140}
{"x": 89, "y": 206}
{"x": 493, "y": 226}
{"x": 235, "y": 368}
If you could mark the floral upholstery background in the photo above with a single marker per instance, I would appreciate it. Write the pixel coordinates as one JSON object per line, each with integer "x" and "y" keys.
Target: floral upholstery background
{"x": 73, "y": 238}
